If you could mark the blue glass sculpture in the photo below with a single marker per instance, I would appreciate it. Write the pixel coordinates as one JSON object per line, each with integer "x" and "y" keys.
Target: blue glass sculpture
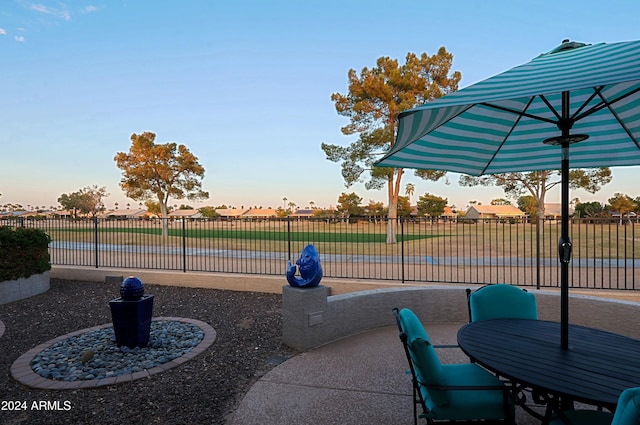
{"x": 131, "y": 289}
{"x": 310, "y": 269}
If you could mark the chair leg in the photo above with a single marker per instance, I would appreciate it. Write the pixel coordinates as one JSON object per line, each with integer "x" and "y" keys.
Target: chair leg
{"x": 415, "y": 407}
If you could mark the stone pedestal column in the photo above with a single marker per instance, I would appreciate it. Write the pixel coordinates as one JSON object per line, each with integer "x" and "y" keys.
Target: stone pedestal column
{"x": 303, "y": 312}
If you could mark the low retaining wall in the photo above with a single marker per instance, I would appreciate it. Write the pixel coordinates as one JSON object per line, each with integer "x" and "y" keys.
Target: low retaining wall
{"x": 14, "y": 290}
{"x": 228, "y": 281}
{"x": 316, "y": 316}
{"x": 312, "y": 317}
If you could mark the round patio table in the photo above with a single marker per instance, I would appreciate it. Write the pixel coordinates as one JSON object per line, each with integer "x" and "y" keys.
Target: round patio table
{"x": 595, "y": 369}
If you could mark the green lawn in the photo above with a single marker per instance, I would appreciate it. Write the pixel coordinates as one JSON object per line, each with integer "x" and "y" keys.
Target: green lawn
{"x": 265, "y": 235}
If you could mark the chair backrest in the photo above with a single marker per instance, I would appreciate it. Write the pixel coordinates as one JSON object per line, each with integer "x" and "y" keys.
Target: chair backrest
{"x": 425, "y": 362}
{"x": 501, "y": 301}
{"x": 628, "y": 409}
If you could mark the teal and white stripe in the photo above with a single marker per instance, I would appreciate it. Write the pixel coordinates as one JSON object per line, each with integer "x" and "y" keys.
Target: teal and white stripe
{"x": 498, "y": 125}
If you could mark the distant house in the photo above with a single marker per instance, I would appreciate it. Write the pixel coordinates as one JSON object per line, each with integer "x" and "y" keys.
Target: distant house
{"x": 7, "y": 215}
{"x": 124, "y": 214}
{"x": 256, "y": 213}
{"x": 185, "y": 214}
{"x": 63, "y": 213}
{"x": 477, "y": 212}
{"x": 231, "y": 213}
{"x": 554, "y": 210}
{"x": 448, "y": 214}
{"x": 302, "y": 214}
{"x": 32, "y": 214}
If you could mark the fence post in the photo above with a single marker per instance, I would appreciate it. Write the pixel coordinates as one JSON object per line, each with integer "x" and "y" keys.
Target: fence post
{"x": 401, "y": 249}
{"x": 184, "y": 245}
{"x": 289, "y": 237}
{"x": 537, "y": 252}
{"x": 95, "y": 238}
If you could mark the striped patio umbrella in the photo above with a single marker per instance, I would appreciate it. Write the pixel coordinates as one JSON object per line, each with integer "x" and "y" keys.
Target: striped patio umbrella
{"x": 577, "y": 105}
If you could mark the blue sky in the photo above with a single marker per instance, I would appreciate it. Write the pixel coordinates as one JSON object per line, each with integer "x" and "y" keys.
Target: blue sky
{"x": 245, "y": 85}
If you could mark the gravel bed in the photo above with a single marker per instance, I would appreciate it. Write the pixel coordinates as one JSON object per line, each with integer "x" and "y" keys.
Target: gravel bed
{"x": 63, "y": 361}
{"x": 205, "y": 389}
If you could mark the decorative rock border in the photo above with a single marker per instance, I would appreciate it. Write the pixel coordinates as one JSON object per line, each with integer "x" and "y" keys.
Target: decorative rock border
{"x": 22, "y": 372}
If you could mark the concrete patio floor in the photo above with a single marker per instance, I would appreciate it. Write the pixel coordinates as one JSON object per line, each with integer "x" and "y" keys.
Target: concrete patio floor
{"x": 356, "y": 380}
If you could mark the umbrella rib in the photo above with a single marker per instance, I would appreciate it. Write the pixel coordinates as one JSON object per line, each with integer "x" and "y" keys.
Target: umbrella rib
{"x": 522, "y": 113}
{"x": 617, "y": 117}
{"x": 515, "y": 124}
{"x": 551, "y": 108}
{"x": 596, "y": 92}
{"x": 605, "y": 103}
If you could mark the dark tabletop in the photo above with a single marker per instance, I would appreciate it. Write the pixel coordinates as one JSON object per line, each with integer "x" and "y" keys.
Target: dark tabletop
{"x": 595, "y": 369}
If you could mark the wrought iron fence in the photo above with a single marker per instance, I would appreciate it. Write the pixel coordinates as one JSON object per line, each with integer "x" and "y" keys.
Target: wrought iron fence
{"x": 605, "y": 252}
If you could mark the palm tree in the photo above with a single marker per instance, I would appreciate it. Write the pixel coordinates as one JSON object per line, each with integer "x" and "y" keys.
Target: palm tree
{"x": 284, "y": 203}
{"x": 409, "y": 190}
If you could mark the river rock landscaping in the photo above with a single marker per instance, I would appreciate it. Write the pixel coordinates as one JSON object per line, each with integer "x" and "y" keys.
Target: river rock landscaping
{"x": 206, "y": 389}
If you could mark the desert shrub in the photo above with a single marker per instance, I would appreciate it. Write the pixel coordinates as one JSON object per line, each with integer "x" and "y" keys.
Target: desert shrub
{"x": 23, "y": 252}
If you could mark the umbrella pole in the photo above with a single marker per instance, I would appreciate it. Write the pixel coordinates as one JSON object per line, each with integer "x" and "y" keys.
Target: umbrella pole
{"x": 564, "y": 246}
{"x": 564, "y": 251}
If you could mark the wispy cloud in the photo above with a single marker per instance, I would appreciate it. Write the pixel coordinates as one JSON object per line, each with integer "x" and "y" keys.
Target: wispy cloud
{"x": 89, "y": 9}
{"x": 60, "y": 13}
{"x": 19, "y": 38}
{"x": 3, "y": 31}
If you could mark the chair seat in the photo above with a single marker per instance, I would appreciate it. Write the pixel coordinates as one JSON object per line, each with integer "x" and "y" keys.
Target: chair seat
{"x": 470, "y": 404}
{"x": 583, "y": 417}
{"x": 449, "y": 392}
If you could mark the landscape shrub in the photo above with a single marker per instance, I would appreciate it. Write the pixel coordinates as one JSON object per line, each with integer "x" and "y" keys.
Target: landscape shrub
{"x": 23, "y": 252}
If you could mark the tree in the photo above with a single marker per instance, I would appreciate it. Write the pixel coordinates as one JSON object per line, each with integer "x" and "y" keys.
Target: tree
{"x": 529, "y": 205}
{"x": 500, "y": 201}
{"x": 538, "y": 183}
{"x": 409, "y": 190}
{"x": 637, "y": 202}
{"x": 622, "y": 204}
{"x": 208, "y": 211}
{"x": 404, "y": 206}
{"x": 373, "y": 103}
{"x": 152, "y": 206}
{"x": 590, "y": 210}
{"x": 87, "y": 200}
{"x": 162, "y": 171}
{"x": 349, "y": 204}
{"x": 431, "y": 205}
{"x": 375, "y": 209}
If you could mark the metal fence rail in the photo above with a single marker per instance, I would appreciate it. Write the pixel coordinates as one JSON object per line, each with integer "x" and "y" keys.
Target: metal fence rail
{"x": 605, "y": 252}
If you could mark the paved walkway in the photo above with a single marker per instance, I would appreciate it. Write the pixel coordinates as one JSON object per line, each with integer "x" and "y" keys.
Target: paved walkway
{"x": 357, "y": 380}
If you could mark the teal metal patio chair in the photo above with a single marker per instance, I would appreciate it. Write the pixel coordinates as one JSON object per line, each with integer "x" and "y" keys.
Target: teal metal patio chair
{"x": 501, "y": 301}
{"x": 466, "y": 393}
{"x": 627, "y": 413}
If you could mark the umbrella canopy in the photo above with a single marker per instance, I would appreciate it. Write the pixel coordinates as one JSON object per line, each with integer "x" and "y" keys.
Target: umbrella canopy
{"x": 532, "y": 117}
